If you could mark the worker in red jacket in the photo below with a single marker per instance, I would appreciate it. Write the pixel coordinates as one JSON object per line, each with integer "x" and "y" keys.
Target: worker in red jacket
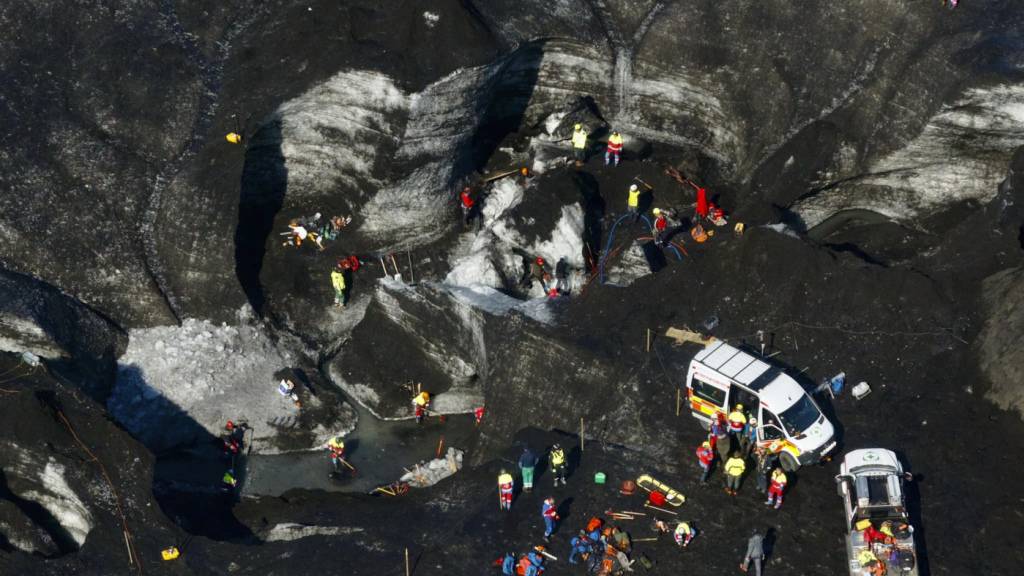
{"x": 660, "y": 228}
{"x": 614, "y": 151}
{"x": 776, "y": 488}
{"x": 468, "y": 205}
{"x": 706, "y": 458}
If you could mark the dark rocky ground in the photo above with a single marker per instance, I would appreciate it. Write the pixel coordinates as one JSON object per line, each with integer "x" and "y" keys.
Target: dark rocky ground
{"x": 125, "y": 209}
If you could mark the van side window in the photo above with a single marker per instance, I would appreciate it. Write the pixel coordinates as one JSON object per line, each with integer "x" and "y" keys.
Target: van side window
{"x": 707, "y": 392}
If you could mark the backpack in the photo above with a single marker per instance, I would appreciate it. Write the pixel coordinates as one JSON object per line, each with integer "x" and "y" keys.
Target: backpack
{"x": 508, "y": 565}
{"x": 354, "y": 263}
{"x": 594, "y": 524}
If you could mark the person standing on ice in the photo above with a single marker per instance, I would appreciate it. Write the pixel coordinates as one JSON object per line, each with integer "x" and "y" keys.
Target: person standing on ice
{"x": 633, "y": 201}
{"x": 579, "y": 144}
{"x": 468, "y": 206}
{"x": 420, "y": 403}
{"x": 614, "y": 150}
{"x": 505, "y": 485}
{"x": 337, "y": 448}
{"x": 340, "y": 288}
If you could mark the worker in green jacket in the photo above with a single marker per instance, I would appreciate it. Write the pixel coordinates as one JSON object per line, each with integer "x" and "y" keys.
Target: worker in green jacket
{"x": 340, "y": 291}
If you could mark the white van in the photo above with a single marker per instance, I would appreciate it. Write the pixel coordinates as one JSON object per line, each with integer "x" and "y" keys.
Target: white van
{"x": 790, "y": 423}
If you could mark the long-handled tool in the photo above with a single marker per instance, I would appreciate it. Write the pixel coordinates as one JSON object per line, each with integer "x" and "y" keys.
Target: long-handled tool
{"x": 660, "y": 509}
{"x": 498, "y": 176}
{"x": 641, "y": 181}
{"x": 398, "y": 273}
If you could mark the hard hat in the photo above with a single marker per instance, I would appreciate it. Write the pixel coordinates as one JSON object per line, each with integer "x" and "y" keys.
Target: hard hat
{"x": 578, "y": 127}
{"x": 706, "y": 444}
{"x": 540, "y": 261}
{"x": 632, "y": 187}
{"x": 738, "y": 407}
{"x": 615, "y": 132}
{"x": 233, "y": 137}
{"x": 657, "y": 211}
{"x": 556, "y": 447}
{"x": 753, "y": 421}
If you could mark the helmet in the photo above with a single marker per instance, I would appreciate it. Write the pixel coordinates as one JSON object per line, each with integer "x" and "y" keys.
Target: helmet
{"x": 753, "y": 421}
{"x": 540, "y": 261}
{"x": 633, "y": 188}
{"x": 657, "y": 211}
{"x": 556, "y": 446}
{"x": 578, "y": 127}
{"x": 706, "y": 444}
{"x": 738, "y": 407}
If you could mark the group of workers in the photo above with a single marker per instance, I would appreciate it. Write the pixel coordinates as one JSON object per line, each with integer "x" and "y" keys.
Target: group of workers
{"x": 557, "y": 464}
{"x": 311, "y": 229}
{"x": 232, "y": 444}
{"x": 880, "y": 547}
{"x": 734, "y": 439}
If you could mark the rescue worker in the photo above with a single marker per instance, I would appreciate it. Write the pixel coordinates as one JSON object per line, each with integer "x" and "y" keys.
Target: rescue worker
{"x": 580, "y": 547}
{"x": 332, "y": 228}
{"x": 660, "y": 228}
{"x": 734, "y": 469}
{"x": 737, "y": 423}
{"x": 749, "y": 438}
{"x": 718, "y": 433}
{"x": 505, "y": 484}
{"x": 507, "y": 563}
{"x": 549, "y": 512}
{"x": 534, "y": 565}
{"x": 527, "y": 463}
{"x": 706, "y": 459}
{"x": 777, "y": 488}
{"x": 755, "y": 553}
{"x": 228, "y": 481}
{"x": 579, "y": 144}
{"x": 337, "y": 448}
{"x": 558, "y": 464}
{"x": 478, "y": 414}
{"x": 420, "y": 403}
{"x": 633, "y": 201}
{"x": 684, "y": 533}
{"x": 614, "y": 149}
{"x": 539, "y": 273}
{"x": 299, "y": 231}
{"x": 338, "y": 283}
{"x": 765, "y": 462}
{"x": 468, "y": 205}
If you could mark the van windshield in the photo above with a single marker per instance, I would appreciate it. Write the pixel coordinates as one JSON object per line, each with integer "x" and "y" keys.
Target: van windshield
{"x": 800, "y": 416}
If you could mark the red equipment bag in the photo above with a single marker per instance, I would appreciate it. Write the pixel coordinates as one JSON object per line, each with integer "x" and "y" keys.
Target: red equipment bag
{"x": 657, "y": 498}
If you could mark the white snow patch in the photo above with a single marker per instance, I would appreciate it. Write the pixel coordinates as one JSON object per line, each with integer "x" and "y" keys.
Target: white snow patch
{"x": 781, "y": 229}
{"x": 431, "y": 18}
{"x": 289, "y": 531}
{"x": 61, "y": 501}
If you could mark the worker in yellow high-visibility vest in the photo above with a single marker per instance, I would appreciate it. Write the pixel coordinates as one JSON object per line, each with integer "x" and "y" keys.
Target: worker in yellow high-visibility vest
{"x": 579, "y": 144}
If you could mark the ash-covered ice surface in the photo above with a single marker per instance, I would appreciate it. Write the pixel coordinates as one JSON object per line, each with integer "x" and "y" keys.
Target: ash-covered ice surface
{"x": 149, "y": 290}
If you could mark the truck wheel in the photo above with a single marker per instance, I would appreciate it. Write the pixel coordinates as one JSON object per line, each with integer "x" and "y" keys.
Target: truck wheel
{"x": 789, "y": 464}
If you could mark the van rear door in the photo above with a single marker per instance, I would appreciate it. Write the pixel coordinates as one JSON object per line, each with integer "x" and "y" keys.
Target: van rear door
{"x": 707, "y": 398}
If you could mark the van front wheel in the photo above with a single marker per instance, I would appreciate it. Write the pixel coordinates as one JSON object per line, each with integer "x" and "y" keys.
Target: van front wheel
{"x": 789, "y": 463}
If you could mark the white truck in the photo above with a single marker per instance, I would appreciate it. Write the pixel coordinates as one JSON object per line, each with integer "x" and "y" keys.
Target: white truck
{"x": 790, "y": 423}
{"x": 879, "y": 538}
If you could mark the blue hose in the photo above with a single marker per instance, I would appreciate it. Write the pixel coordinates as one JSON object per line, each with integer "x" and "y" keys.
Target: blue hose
{"x": 611, "y": 239}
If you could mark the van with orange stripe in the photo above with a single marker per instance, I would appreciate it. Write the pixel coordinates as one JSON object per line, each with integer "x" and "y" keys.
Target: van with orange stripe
{"x": 790, "y": 423}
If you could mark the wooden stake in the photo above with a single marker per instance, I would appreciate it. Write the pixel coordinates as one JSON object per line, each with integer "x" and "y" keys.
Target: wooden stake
{"x": 412, "y": 276}
{"x": 644, "y": 539}
{"x": 634, "y": 513}
{"x": 440, "y": 443}
{"x": 384, "y": 266}
{"x": 647, "y": 345}
{"x": 406, "y": 562}
{"x": 679, "y": 399}
{"x": 581, "y": 435}
{"x": 131, "y": 561}
{"x": 660, "y": 509}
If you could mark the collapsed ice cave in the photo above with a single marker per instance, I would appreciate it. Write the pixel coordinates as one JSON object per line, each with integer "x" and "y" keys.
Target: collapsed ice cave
{"x": 874, "y": 153}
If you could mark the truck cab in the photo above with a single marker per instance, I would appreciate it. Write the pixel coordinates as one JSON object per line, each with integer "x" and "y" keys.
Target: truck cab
{"x": 877, "y": 526}
{"x": 791, "y": 424}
